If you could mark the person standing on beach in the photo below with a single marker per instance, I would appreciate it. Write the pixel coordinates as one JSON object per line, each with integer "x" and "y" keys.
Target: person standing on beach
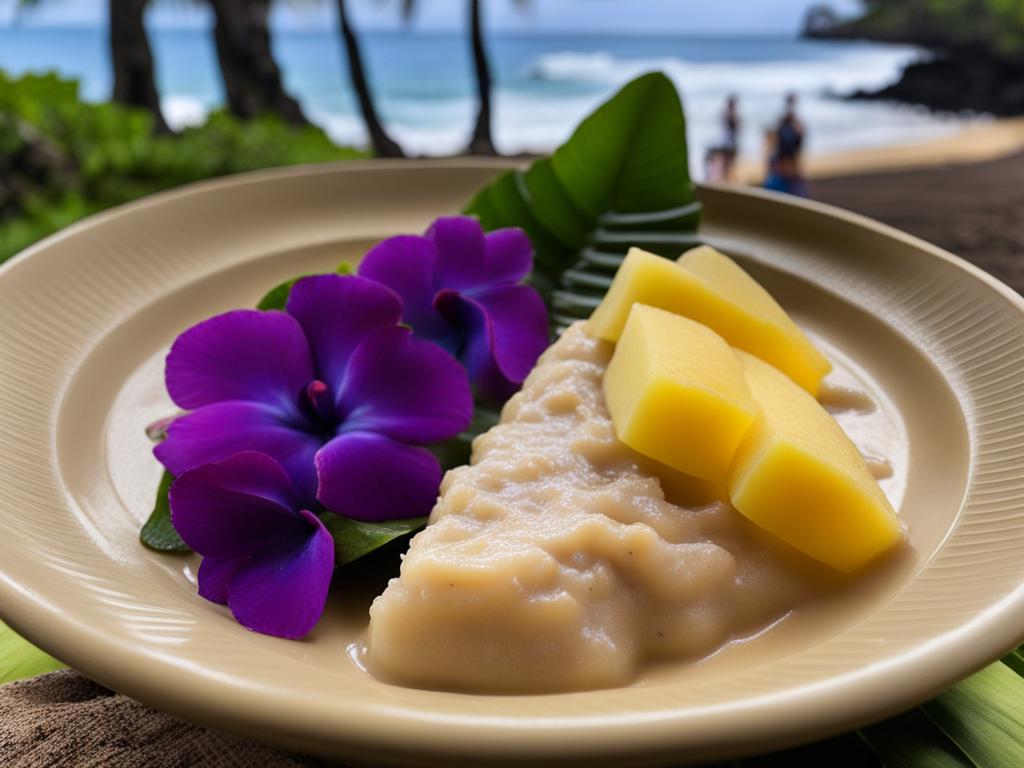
{"x": 785, "y": 173}
{"x": 720, "y": 160}
{"x": 730, "y": 137}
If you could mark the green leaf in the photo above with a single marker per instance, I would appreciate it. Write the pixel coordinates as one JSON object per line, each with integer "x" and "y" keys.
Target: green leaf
{"x": 620, "y": 180}
{"x": 354, "y": 538}
{"x": 277, "y": 297}
{"x": 20, "y": 659}
{"x": 158, "y": 533}
{"x": 984, "y": 716}
{"x": 1015, "y": 661}
{"x": 912, "y": 740}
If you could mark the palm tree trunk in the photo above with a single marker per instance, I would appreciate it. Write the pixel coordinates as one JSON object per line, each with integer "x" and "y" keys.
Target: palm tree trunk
{"x": 252, "y": 79}
{"x": 481, "y": 143}
{"x": 383, "y": 145}
{"x": 132, "y": 59}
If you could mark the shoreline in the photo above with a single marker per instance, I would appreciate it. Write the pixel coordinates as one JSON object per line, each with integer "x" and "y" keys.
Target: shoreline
{"x": 981, "y": 141}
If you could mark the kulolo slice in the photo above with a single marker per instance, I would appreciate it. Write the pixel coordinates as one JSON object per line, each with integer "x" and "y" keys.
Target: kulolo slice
{"x": 677, "y": 393}
{"x": 797, "y": 475}
{"x": 709, "y": 287}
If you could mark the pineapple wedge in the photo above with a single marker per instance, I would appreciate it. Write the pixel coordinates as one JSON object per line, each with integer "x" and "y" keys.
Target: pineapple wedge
{"x": 797, "y": 475}
{"x": 709, "y": 287}
{"x": 677, "y": 394}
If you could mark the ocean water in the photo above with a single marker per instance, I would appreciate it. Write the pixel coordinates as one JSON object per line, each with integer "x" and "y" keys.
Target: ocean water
{"x": 544, "y": 84}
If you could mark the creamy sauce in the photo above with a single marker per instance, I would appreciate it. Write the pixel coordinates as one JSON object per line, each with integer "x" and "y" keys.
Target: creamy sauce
{"x": 555, "y": 562}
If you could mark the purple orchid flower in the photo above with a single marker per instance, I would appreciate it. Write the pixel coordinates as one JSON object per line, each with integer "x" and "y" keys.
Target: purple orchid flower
{"x": 264, "y": 556}
{"x": 332, "y": 388}
{"x": 460, "y": 288}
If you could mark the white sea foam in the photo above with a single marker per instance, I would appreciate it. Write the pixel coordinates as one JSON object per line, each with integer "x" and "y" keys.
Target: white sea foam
{"x": 833, "y": 124}
{"x": 853, "y": 69}
{"x": 182, "y": 110}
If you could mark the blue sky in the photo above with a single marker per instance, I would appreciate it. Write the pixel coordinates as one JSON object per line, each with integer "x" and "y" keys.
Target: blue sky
{"x": 620, "y": 16}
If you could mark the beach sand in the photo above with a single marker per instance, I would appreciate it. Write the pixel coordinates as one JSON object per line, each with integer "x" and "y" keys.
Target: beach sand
{"x": 975, "y": 210}
{"x": 987, "y": 139}
{"x": 964, "y": 192}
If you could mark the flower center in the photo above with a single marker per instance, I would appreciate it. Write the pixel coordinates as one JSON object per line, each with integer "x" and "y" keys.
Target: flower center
{"x": 318, "y": 400}
{"x": 447, "y": 304}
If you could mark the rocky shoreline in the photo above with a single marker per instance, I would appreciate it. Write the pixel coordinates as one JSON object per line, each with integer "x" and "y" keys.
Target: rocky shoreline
{"x": 957, "y": 83}
{"x": 966, "y": 77}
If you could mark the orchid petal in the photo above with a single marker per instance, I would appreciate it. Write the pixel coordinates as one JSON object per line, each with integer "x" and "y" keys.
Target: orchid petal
{"x": 242, "y": 355}
{"x": 366, "y": 476}
{"x": 282, "y": 591}
{"x": 508, "y": 255}
{"x": 408, "y": 389}
{"x": 460, "y": 251}
{"x": 217, "y": 431}
{"x": 235, "y": 508}
{"x": 215, "y": 577}
{"x": 407, "y": 264}
{"x": 519, "y": 323}
{"x": 506, "y": 330}
{"x": 337, "y": 312}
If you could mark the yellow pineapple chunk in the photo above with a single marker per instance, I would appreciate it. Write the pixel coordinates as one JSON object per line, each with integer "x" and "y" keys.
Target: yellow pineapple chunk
{"x": 756, "y": 322}
{"x": 711, "y": 288}
{"x": 797, "y": 475}
{"x": 643, "y": 278}
{"x": 677, "y": 394}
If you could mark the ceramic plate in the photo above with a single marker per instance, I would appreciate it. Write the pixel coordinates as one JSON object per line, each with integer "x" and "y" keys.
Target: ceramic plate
{"x": 88, "y": 315}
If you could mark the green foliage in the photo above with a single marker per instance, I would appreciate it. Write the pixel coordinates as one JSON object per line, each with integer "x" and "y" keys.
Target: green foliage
{"x": 621, "y": 179}
{"x": 912, "y": 740}
{"x": 62, "y": 159}
{"x": 997, "y": 25}
{"x": 19, "y": 659}
{"x": 354, "y": 538}
{"x": 984, "y": 716}
{"x": 277, "y": 297}
{"x": 158, "y": 533}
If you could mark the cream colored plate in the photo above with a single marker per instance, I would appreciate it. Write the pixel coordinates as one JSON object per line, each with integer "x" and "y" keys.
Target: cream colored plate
{"x": 88, "y": 314}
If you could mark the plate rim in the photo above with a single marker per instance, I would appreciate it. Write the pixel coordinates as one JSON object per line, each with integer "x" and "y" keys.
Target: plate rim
{"x": 986, "y": 637}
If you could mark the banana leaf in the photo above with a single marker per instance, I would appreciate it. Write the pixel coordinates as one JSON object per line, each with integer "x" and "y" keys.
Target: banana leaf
{"x": 621, "y": 179}
{"x": 20, "y": 659}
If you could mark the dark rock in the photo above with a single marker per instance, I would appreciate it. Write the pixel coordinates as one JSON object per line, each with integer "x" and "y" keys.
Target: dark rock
{"x": 960, "y": 81}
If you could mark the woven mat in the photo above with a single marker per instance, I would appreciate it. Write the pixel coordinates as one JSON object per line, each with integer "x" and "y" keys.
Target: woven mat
{"x": 62, "y": 719}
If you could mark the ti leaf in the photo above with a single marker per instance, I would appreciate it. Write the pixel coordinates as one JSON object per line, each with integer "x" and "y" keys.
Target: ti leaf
{"x": 984, "y": 716}
{"x": 158, "y": 533}
{"x": 19, "y": 659}
{"x": 355, "y": 538}
{"x": 912, "y": 740}
{"x": 277, "y": 297}
{"x": 1015, "y": 661}
{"x": 621, "y": 179}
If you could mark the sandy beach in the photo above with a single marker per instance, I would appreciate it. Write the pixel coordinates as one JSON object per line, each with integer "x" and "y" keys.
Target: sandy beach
{"x": 972, "y": 209}
{"x": 964, "y": 192}
{"x": 986, "y": 139}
